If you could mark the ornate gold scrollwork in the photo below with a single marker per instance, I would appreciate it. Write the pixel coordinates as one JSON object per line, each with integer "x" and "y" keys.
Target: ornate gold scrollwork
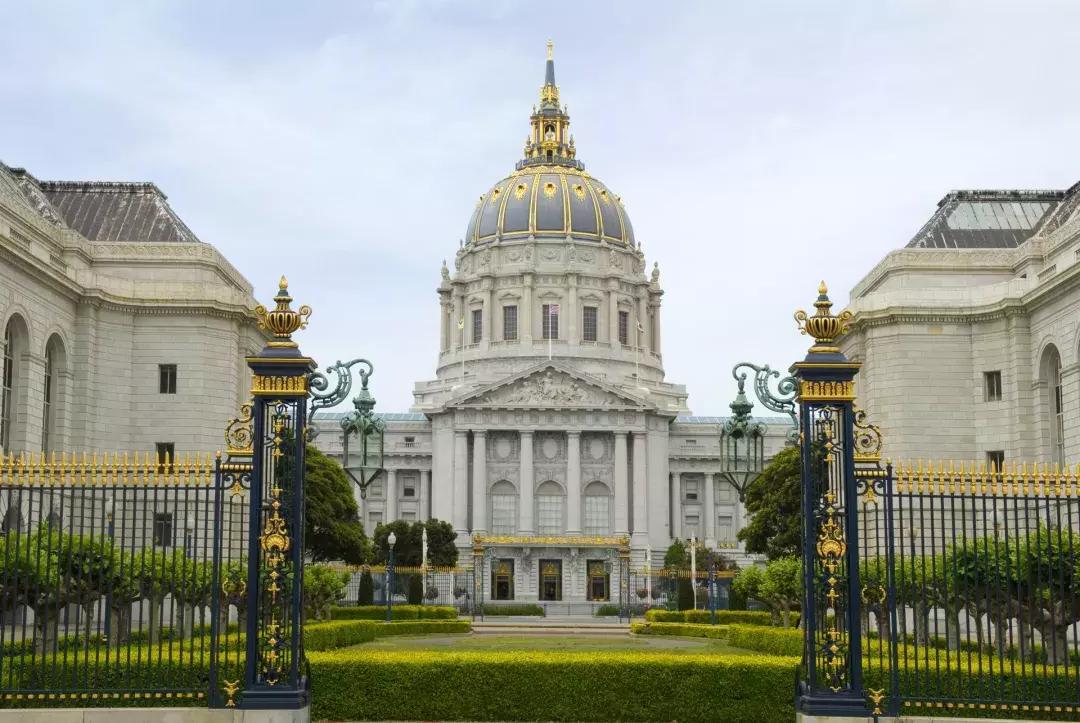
{"x": 876, "y": 697}
{"x": 867, "y": 437}
{"x": 238, "y": 433}
{"x": 232, "y": 687}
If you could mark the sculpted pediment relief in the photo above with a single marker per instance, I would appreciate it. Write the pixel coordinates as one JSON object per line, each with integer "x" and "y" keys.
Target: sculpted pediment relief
{"x": 550, "y": 387}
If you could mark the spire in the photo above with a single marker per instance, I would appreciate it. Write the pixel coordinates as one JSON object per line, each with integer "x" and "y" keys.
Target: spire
{"x": 550, "y": 142}
{"x": 549, "y": 73}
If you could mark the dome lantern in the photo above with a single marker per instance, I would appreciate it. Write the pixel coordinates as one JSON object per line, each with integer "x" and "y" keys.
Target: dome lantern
{"x": 550, "y": 141}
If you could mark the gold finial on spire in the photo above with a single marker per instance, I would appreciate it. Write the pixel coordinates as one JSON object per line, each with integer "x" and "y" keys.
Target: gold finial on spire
{"x": 550, "y": 50}
{"x": 824, "y": 326}
{"x": 282, "y": 321}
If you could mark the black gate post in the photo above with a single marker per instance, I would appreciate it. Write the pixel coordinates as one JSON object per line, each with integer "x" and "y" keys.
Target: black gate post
{"x": 274, "y": 674}
{"x": 478, "y": 579}
{"x": 831, "y": 681}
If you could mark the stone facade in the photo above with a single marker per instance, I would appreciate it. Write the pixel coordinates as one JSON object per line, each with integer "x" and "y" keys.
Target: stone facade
{"x": 100, "y": 284}
{"x": 549, "y": 432}
{"x": 970, "y": 336}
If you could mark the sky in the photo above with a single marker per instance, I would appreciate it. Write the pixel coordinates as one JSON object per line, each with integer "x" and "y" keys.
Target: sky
{"x": 759, "y": 147}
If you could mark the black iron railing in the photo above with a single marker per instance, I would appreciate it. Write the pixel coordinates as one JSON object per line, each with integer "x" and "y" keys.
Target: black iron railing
{"x": 121, "y": 578}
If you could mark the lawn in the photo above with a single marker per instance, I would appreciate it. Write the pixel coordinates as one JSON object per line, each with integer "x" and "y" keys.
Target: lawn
{"x": 568, "y": 643}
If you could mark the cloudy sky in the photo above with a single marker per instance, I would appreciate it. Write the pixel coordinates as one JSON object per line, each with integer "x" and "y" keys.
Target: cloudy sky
{"x": 758, "y": 146}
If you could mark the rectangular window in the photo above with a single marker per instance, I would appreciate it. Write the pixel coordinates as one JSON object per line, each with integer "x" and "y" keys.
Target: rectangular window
{"x": 376, "y": 519}
{"x": 588, "y": 323}
{"x": 163, "y": 529}
{"x": 624, "y": 328}
{"x": 46, "y": 411}
{"x": 993, "y": 386}
{"x": 691, "y": 442}
{"x": 167, "y": 378}
{"x": 725, "y": 528}
{"x": 377, "y": 489}
{"x": 504, "y": 514}
{"x": 477, "y": 325}
{"x": 408, "y": 488}
{"x": 166, "y": 452}
{"x": 690, "y": 490}
{"x": 510, "y": 332}
{"x": 693, "y": 526}
{"x": 408, "y": 516}
{"x": 410, "y": 441}
{"x": 597, "y": 515}
{"x": 550, "y": 312}
{"x": 995, "y": 458}
{"x": 549, "y": 514}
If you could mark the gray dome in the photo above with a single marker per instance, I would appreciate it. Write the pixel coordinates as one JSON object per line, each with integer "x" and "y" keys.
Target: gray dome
{"x": 550, "y": 200}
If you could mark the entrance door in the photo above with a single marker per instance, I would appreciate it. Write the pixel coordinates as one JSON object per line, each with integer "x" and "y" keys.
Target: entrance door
{"x": 502, "y": 580}
{"x": 598, "y": 580}
{"x": 551, "y": 580}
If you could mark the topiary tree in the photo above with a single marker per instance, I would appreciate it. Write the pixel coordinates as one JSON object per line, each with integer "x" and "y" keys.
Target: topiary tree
{"x": 414, "y": 591}
{"x": 365, "y": 594}
{"x": 323, "y": 586}
{"x": 1047, "y": 572}
{"x": 778, "y": 586}
{"x": 685, "y": 590}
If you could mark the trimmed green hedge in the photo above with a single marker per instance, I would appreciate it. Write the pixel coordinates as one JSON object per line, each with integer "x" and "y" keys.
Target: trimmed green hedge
{"x": 715, "y": 632}
{"x": 550, "y": 686}
{"x": 723, "y": 617}
{"x": 519, "y": 609}
{"x": 422, "y": 627}
{"x": 400, "y": 612}
{"x": 339, "y": 634}
{"x": 773, "y": 641}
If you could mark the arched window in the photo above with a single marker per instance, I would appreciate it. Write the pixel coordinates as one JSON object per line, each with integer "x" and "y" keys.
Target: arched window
{"x": 550, "y": 510}
{"x": 1053, "y": 402}
{"x": 504, "y": 508}
{"x": 54, "y": 367}
{"x": 597, "y": 509}
{"x": 16, "y": 335}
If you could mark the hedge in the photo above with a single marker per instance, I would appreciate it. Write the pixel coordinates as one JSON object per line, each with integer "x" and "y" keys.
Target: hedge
{"x": 422, "y": 627}
{"x": 723, "y": 617}
{"x": 715, "y": 632}
{"x": 400, "y": 612}
{"x": 550, "y": 686}
{"x": 520, "y": 609}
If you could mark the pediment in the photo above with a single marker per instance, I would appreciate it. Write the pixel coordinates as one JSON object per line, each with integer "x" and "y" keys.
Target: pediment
{"x": 550, "y": 385}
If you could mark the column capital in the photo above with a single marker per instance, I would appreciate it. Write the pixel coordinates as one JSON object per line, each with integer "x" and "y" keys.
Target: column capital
{"x": 479, "y": 432}
{"x": 460, "y": 432}
{"x": 573, "y": 432}
{"x": 525, "y": 432}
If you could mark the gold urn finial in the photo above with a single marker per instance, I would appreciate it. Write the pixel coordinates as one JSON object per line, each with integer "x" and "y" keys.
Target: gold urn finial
{"x": 282, "y": 321}
{"x": 824, "y": 326}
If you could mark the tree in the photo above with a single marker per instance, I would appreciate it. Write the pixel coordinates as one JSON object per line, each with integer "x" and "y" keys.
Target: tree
{"x": 414, "y": 594}
{"x": 774, "y": 503}
{"x": 365, "y": 594}
{"x": 407, "y": 551}
{"x": 778, "y": 586}
{"x": 323, "y": 586}
{"x": 332, "y": 527}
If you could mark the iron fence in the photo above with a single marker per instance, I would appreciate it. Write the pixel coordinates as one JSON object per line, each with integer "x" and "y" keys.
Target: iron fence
{"x": 970, "y": 587}
{"x": 121, "y": 578}
{"x": 442, "y": 586}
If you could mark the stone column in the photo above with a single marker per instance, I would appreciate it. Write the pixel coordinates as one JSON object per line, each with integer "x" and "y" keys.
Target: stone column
{"x": 643, "y": 319}
{"x": 622, "y": 523}
{"x": 425, "y": 494}
{"x": 489, "y": 309}
{"x": 479, "y": 481}
{"x": 390, "y": 500}
{"x": 461, "y": 485}
{"x": 655, "y": 304}
{"x": 676, "y": 505}
{"x": 573, "y": 482}
{"x": 572, "y": 314}
{"x": 613, "y": 313}
{"x": 710, "y": 509}
{"x": 641, "y": 502}
{"x": 525, "y": 490}
{"x": 525, "y": 313}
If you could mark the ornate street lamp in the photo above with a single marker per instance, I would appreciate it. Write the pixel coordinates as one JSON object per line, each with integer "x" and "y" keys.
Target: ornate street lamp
{"x": 363, "y": 423}
{"x": 742, "y": 443}
{"x": 782, "y": 401}
{"x": 391, "y": 540}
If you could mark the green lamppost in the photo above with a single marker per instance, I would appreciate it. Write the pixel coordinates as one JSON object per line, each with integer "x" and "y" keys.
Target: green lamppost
{"x": 370, "y": 431}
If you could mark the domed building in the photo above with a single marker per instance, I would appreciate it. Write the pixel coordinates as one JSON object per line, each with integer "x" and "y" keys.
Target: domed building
{"x": 549, "y": 433}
